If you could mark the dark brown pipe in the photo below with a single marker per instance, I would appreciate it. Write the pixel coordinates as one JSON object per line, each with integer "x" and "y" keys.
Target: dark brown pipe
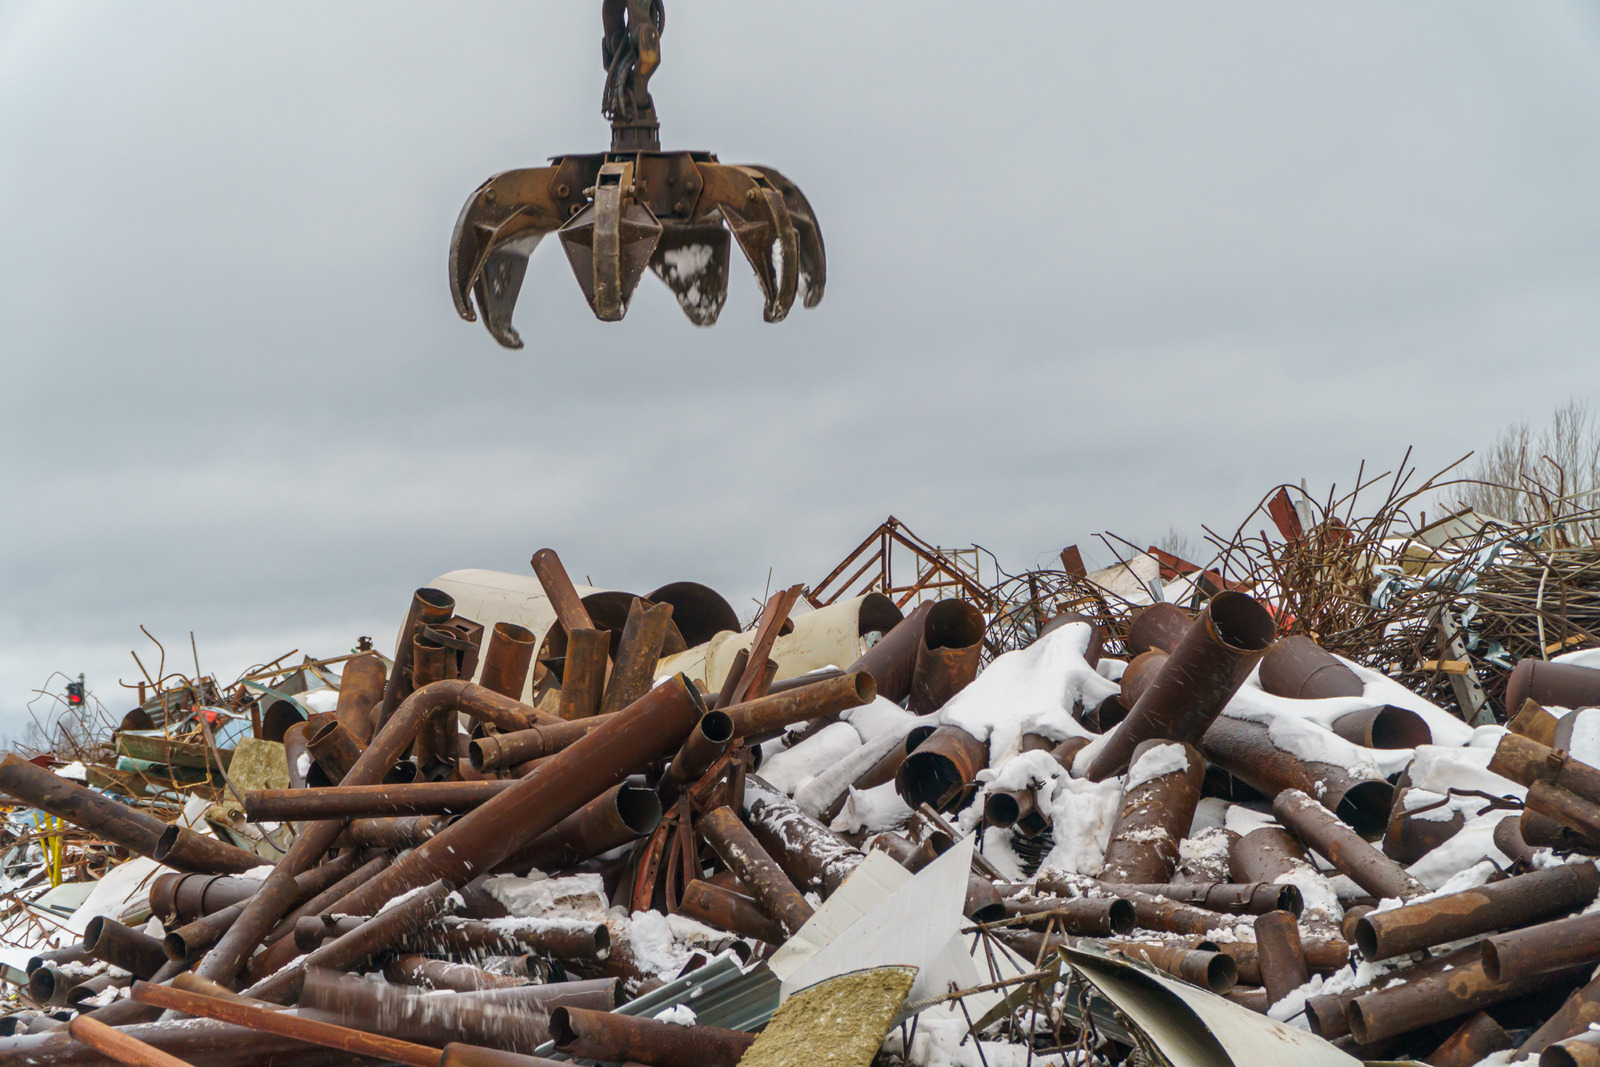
{"x": 727, "y": 910}
{"x": 1328, "y": 1013}
{"x": 711, "y": 738}
{"x": 183, "y": 849}
{"x": 1576, "y": 813}
{"x": 947, "y": 656}
{"x": 614, "y": 1038}
{"x": 777, "y": 711}
{"x": 1549, "y": 946}
{"x": 1391, "y": 1011}
{"x": 1385, "y": 726}
{"x": 369, "y": 801}
{"x": 393, "y": 833}
{"x": 1299, "y": 668}
{"x": 507, "y": 659}
{"x": 495, "y": 752}
{"x": 1343, "y": 847}
{"x": 730, "y": 681}
{"x": 1139, "y": 674}
{"x": 1267, "y": 854}
{"x": 133, "y": 951}
{"x": 623, "y": 813}
{"x": 360, "y": 696}
{"x": 428, "y": 607}
{"x": 1081, "y": 916}
{"x": 475, "y": 939}
{"x": 1251, "y": 898}
{"x": 1209, "y": 970}
{"x": 738, "y": 848}
{"x": 885, "y": 769}
{"x": 411, "y": 969}
{"x": 119, "y": 1046}
{"x": 1412, "y": 834}
{"x": 583, "y": 674}
{"x": 1525, "y": 761}
{"x": 815, "y": 858}
{"x": 1473, "y": 1041}
{"x": 1555, "y": 685}
{"x": 1154, "y": 818}
{"x": 1246, "y": 751}
{"x": 635, "y": 665}
{"x": 1159, "y": 626}
{"x": 943, "y": 770}
{"x": 1282, "y": 959}
{"x": 311, "y": 931}
{"x": 1097, "y": 634}
{"x": 1322, "y": 955}
{"x": 1505, "y": 905}
{"x": 1509, "y": 840}
{"x": 294, "y": 748}
{"x": 435, "y": 1020}
{"x": 334, "y": 748}
{"x": 893, "y": 660}
{"x": 181, "y": 898}
{"x": 1214, "y": 658}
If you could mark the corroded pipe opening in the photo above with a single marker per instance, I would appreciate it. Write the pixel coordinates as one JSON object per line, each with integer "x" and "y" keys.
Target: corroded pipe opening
{"x": 941, "y": 769}
{"x": 1240, "y": 622}
{"x": 1384, "y": 726}
{"x": 717, "y": 726}
{"x": 953, "y": 624}
{"x": 1122, "y": 917}
{"x": 1001, "y": 809}
{"x": 639, "y": 808}
{"x": 1365, "y": 806}
{"x": 562, "y": 1032}
{"x": 42, "y": 984}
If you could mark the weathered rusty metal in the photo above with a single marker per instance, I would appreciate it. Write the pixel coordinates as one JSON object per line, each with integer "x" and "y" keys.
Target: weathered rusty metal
{"x": 119, "y": 1046}
{"x": 558, "y": 587}
{"x": 1003, "y": 807}
{"x": 1246, "y": 751}
{"x": 396, "y": 832}
{"x": 1509, "y": 840}
{"x": 711, "y": 737}
{"x": 912, "y": 855}
{"x": 456, "y": 1054}
{"x": 943, "y": 771}
{"x": 436, "y": 1020}
{"x": 133, "y": 950}
{"x": 1580, "y": 1051}
{"x": 377, "y": 934}
{"x": 1411, "y": 835}
{"x": 1323, "y": 955}
{"x": 1281, "y": 957}
{"x": 1384, "y": 726}
{"x": 90, "y": 988}
{"x": 614, "y": 1038}
{"x": 428, "y": 973}
{"x": 369, "y": 801}
{"x": 1526, "y": 761}
{"x": 947, "y": 656}
{"x": 1352, "y": 916}
{"x": 1141, "y": 671}
{"x": 1576, "y": 813}
{"x": 730, "y": 681}
{"x": 727, "y": 910}
{"x": 361, "y": 682}
{"x": 311, "y": 931}
{"x": 1535, "y": 723}
{"x": 893, "y": 660}
{"x": 1082, "y": 916}
{"x": 815, "y": 858}
{"x": 1267, "y": 854}
{"x": 75, "y": 953}
{"x": 1216, "y": 655}
{"x": 1209, "y": 970}
{"x": 583, "y": 673}
{"x": 651, "y": 728}
{"x": 1097, "y": 634}
{"x": 200, "y": 1042}
{"x": 183, "y": 849}
{"x": 1576, "y": 1015}
{"x": 1557, "y": 685}
{"x": 1472, "y": 1042}
{"x": 1154, "y": 818}
{"x": 1396, "y": 1009}
{"x": 635, "y": 664}
{"x": 1504, "y": 905}
{"x": 334, "y": 748}
{"x": 1299, "y": 668}
{"x": 299, "y": 1027}
{"x": 1105, "y": 716}
{"x": 885, "y": 769}
{"x": 494, "y": 752}
{"x": 181, "y": 898}
{"x": 1327, "y": 1014}
{"x": 295, "y": 754}
{"x": 327, "y": 897}
{"x": 739, "y": 849}
{"x": 137, "y": 831}
{"x": 428, "y": 607}
{"x": 1543, "y": 947}
{"x": 776, "y": 711}
{"x": 1343, "y": 847}
{"x": 625, "y": 812}
{"x": 566, "y": 941}
{"x": 1249, "y": 898}
{"x": 1541, "y": 831}
{"x": 1068, "y": 750}
{"x": 1252, "y": 997}
{"x": 507, "y": 658}
{"x": 1159, "y": 626}
{"x": 1150, "y": 912}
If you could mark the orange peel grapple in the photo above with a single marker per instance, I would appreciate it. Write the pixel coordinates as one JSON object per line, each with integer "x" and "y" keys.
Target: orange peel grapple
{"x": 633, "y": 207}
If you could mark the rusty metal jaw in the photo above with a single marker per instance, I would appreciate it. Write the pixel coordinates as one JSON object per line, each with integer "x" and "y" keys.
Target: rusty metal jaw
{"x": 619, "y": 212}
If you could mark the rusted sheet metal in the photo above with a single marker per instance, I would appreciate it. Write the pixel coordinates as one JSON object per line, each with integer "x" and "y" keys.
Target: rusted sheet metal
{"x": 1525, "y": 762}
{"x": 1140, "y": 673}
{"x": 583, "y": 673}
{"x": 1246, "y": 751}
{"x": 1159, "y": 626}
{"x": 634, "y": 668}
{"x": 1397, "y": 1009}
{"x": 1214, "y": 658}
{"x": 1411, "y": 835}
{"x": 1559, "y": 685}
{"x": 369, "y": 801}
{"x": 134, "y": 951}
{"x": 1281, "y": 957}
{"x": 943, "y": 771}
{"x": 1248, "y": 898}
{"x": 361, "y": 682}
{"x": 614, "y": 1038}
{"x": 1473, "y": 1041}
{"x": 1514, "y": 902}
{"x": 947, "y": 657}
{"x": 1300, "y": 668}
{"x": 1154, "y": 819}
{"x": 738, "y": 848}
{"x": 1384, "y": 726}
{"x": 727, "y": 910}
{"x": 625, "y": 812}
{"x": 1082, "y": 916}
{"x": 651, "y": 728}
{"x": 507, "y": 659}
{"x": 1343, "y": 847}
{"x": 1539, "y": 949}
{"x": 814, "y": 857}
{"x": 298, "y": 1027}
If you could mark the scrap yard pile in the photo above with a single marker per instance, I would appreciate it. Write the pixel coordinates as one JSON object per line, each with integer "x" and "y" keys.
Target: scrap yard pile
{"x": 1332, "y": 797}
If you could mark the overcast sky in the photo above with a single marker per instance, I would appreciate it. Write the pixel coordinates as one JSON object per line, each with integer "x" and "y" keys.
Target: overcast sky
{"x": 1091, "y": 266}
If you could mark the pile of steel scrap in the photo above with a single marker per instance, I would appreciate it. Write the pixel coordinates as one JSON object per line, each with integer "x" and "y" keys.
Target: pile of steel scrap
{"x": 576, "y": 823}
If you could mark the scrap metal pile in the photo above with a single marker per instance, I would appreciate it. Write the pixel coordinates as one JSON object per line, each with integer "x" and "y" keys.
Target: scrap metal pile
{"x": 566, "y": 823}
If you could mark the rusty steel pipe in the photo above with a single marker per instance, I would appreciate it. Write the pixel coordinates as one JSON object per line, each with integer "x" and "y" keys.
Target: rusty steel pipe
{"x": 625, "y": 812}
{"x": 312, "y": 930}
{"x": 1246, "y": 751}
{"x": 1570, "y": 810}
{"x": 730, "y": 681}
{"x": 1580, "y": 1051}
{"x": 889, "y": 765}
{"x": 367, "y": 801}
{"x": 943, "y": 770}
{"x": 1437, "y": 997}
{"x": 1526, "y": 761}
{"x": 183, "y": 849}
{"x": 1558, "y": 685}
{"x": 1576, "y": 1015}
{"x": 634, "y": 666}
{"x": 92, "y": 987}
{"x": 428, "y": 607}
{"x": 711, "y": 738}
{"x": 360, "y": 696}
{"x": 1281, "y": 956}
{"x": 614, "y": 1038}
{"x": 558, "y": 588}
{"x": 1233, "y": 898}
{"x": 1141, "y": 671}
{"x": 1327, "y": 1014}
{"x": 1267, "y": 854}
{"x": 456, "y": 1054}
{"x": 334, "y": 748}
{"x": 583, "y": 673}
{"x": 1385, "y": 726}
{"x": 893, "y": 660}
{"x": 119, "y": 1046}
{"x": 1159, "y": 626}
{"x": 1343, "y": 847}
{"x": 1505, "y": 905}
{"x": 777, "y": 711}
{"x": 299, "y": 1027}
{"x": 180, "y": 898}
{"x": 202, "y": 1043}
{"x": 727, "y": 910}
{"x": 134, "y": 951}
{"x": 738, "y": 848}
{"x": 1323, "y": 955}
{"x": 412, "y": 969}
{"x": 507, "y": 658}
{"x": 563, "y": 942}
{"x": 651, "y": 728}
{"x": 947, "y": 655}
{"x": 1473, "y": 1041}
{"x": 1080, "y": 916}
{"x": 1539, "y": 949}
{"x": 1220, "y": 649}
{"x": 1299, "y": 668}
{"x": 325, "y": 898}
{"x": 1150, "y": 912}
{"x": 428, "y": 1020}
{"x": 814, "y": 857}
{"x": 1155, "y": 815}
{"x": 1004, "y": 807}
{"x": 495, "y": 752}
{"x": 1411, "y": 835}
{"x": 1199, "y": 967}
{"x": 397, "y": 832}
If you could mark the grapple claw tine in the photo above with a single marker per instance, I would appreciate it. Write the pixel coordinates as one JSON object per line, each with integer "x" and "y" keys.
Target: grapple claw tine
{"x": 499, "y": 283}
{"x": 498, "y": 228}
{"x": 813, "y": 260}
{"x": 610, "y": 242}
{"x": 692, "y": 259}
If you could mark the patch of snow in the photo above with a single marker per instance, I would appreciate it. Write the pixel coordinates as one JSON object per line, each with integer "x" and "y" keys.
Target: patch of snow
{"x": 1156, "y": 761}
{"x": 576, "y": 896}
{"x": 74, "y": 770}
{"x": 794, "y": 767}
{"x": 874, "y": 810}
{"x": 678, "y": 1015}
